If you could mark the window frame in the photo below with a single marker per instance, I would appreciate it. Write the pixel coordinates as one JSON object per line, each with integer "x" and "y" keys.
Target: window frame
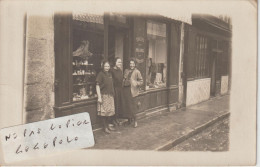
{"x": 201, "y": 57}
{"x": 167, "y": 53}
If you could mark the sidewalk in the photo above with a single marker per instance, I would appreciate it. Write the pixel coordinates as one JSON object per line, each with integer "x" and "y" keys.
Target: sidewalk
{"x": 163, "y": 131}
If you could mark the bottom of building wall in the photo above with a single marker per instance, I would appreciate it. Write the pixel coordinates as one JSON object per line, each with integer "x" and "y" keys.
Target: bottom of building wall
{"x": 224, "y": 85}
{"x": 198, "y": 91}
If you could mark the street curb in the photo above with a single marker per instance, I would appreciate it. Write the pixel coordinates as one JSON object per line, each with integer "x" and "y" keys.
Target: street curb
{"x": 172, "y": 143}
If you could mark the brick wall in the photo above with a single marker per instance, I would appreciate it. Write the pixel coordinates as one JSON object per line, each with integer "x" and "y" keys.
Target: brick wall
{"x": 39, "y": 68}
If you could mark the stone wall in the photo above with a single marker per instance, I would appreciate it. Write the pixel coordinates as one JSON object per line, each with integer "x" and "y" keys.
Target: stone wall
{"x": 39, "y": 68}
{"x": 198, "y": 91}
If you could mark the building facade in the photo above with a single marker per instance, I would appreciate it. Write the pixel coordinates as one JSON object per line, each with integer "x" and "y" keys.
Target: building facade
{"x": 208, "y": 60}
{"x": 181, "y": 64}
{"x": 154, "y": 41}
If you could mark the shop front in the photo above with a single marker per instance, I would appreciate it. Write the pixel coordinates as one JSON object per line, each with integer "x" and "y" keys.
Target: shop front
{"x": 82, "y": 41}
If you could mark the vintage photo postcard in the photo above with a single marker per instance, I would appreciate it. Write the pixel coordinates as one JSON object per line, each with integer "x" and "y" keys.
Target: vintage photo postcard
{"x": 128, "y": 82}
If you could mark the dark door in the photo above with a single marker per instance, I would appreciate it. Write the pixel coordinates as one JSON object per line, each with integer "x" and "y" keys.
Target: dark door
{"x": 213, "y": 74}
{"x": 118, "y": 44}
{"x": 63, "y": 52}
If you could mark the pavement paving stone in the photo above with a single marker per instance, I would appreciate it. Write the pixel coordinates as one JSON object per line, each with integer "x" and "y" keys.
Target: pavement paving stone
{"x": 154, "y": 132}
{"x": 214, "y": 138}
{"x": 188, "y": 119}
{"x": 213, "y": 105}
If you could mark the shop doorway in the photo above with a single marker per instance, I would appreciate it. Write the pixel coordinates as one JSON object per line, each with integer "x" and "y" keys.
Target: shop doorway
{"x": 118, "y": 45}
{"x": 213, "y": 74}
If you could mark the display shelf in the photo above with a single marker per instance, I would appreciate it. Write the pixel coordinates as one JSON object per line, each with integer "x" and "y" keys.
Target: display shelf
{"x": 75, "y": 65}
{"x": 83, "y": 74}
{"x": 84, "y": 77}
{"x": 84, "y": 98}
{"x": 88, "y": 83}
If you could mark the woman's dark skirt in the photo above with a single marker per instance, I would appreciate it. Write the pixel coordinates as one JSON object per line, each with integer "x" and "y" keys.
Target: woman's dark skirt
{"x": 118, "y": 102}
{"x": 129, "y": 105}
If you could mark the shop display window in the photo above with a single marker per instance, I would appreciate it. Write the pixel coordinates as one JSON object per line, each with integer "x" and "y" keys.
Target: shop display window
{"x": 88, "y": 39}
{"x": 156, "y": 69}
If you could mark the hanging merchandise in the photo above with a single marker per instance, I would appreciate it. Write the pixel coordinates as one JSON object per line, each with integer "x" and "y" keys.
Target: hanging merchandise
{"x": 83, "y": 50}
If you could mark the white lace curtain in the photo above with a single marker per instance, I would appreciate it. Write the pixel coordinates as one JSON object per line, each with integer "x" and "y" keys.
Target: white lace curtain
{"x": 157, "y": 29}
{"x": 87, "y": 17}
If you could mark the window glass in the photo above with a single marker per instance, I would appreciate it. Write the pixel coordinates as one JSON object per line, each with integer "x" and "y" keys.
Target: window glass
{"x": 88, "y": 40}
{"x": 156, "y": 71}
{"x": 201, "y": 63}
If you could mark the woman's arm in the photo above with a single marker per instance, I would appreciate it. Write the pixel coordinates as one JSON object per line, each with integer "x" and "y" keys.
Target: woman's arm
{"x": 139, "y": 78}
{"x": 98, "y": 93}
{"x": 125, "y": 77}
{"x": 99, "y": 84}
{"x": 125, "y": 73}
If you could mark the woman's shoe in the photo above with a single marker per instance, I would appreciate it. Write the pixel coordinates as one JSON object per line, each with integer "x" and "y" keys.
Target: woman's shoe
{"x": 135, "y": 124}
{"x": 127, "y": 123}
{"x": 118, "y": 122}
{"x": 115, "y": 123}
{"x": 111, "y": 128}
{"x": 106, "y": 130}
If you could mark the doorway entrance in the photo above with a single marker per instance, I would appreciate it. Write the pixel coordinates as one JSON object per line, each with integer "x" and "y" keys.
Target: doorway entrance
{"x": 213, "y": 74}
{"x": 118, "y": 45}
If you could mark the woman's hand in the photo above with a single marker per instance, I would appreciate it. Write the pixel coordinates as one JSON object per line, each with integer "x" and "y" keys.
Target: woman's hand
{"x": 134, "y": 83}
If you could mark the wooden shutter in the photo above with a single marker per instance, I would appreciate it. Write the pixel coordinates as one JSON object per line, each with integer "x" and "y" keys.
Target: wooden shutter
{"x": 63, "y": 56}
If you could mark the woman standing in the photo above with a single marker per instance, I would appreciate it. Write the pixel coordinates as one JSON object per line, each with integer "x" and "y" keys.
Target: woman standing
{"x": 117, "y": 75}
{"x": 105, "y": 92}
{"x": 132, "y": 82}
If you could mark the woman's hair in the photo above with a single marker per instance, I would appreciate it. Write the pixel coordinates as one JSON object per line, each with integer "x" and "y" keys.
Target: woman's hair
{"x": 103, "y": 63}
{"x": 132, "y": 59}
{"x": 115, "y": 60}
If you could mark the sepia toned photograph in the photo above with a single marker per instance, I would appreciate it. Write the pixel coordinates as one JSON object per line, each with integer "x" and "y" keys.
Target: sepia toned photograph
{"x": 122, "y": 81}
{"x": 149, "y": 82}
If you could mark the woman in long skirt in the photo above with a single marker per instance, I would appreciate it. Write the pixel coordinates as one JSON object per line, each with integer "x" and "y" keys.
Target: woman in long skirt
{"x": 131, "y": 85}
{"x": 105, "y": 92}
{"x": 117, "y": 75}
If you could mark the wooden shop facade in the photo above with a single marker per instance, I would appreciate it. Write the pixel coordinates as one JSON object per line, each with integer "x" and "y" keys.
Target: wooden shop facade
{"x": 154, "y": 41}
{"x": 181, "y": 64}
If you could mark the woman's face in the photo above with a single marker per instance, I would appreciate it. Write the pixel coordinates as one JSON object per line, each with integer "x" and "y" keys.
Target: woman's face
{"x": 119, "y": 63}
{"x": 132, "y": 65}
{"x": 106, "y": 67}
